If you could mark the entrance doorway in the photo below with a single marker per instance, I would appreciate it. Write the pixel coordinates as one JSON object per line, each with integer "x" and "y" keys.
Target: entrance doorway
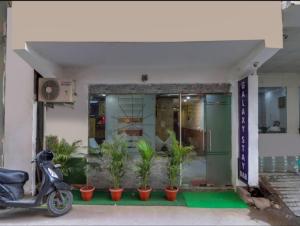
{"x": 218, "y": 139}
{"x": 200, "y": 120}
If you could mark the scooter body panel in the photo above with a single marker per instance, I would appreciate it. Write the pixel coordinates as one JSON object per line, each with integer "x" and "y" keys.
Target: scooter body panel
{"x": 60, "y": 185}
{"x": 5, "y": 193}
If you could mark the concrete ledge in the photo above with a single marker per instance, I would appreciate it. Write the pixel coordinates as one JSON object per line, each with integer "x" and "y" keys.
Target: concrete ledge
{"x": 159, "y": 88}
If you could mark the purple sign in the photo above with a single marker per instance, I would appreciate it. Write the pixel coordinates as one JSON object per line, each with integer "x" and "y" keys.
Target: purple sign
{"x": 243, "y": 130}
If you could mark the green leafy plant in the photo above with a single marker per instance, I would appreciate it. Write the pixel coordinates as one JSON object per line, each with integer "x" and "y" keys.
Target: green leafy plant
{"x": 147, "y": 154}
{"x": 62, "y": 151}
{"x": 177, "y": 157}
{"x": 116, "y": 152}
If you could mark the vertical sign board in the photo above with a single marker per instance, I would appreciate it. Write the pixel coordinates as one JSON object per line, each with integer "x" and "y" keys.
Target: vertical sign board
{"x": 243, "y": 130}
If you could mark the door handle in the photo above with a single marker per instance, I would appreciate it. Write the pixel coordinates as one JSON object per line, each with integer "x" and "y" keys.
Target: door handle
{"x": 203, "y": 141}
{"x": 209, "y": 140}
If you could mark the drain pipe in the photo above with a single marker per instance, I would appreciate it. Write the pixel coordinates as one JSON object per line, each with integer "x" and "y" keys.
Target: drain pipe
{"x": 180, "y": 134}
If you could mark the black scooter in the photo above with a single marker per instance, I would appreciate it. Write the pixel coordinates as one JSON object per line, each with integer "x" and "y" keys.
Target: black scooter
{"x": 53, "y": 191}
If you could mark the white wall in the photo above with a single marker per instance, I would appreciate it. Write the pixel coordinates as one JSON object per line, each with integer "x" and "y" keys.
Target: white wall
{"x": 253, "y": 132}
{"x": 252, "y": 126}
{"x": 149, "y": 21}
{"x": 138, "y": 21}
{"x": 72, "y": 123}
{"x": 288, "y": 143}
{"x": 18, "y": 140}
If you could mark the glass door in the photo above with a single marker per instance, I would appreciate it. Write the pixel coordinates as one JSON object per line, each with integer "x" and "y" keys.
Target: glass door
{"x": 218, "y": 139}
{"x": 193, "y": 173}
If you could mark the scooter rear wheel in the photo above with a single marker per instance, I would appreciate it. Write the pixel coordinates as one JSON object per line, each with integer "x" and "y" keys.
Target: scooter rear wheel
{"x": 59, "y": 202}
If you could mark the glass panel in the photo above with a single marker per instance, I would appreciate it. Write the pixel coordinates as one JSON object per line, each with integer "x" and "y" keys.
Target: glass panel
{"x": 218, "y": 127}
{"x": 96, "y": 120}
{"x": 167, "y": 118}
{"x": 132, "y": 116}
{"x": 192, "y": 133}
{"x": 272, "y": 116}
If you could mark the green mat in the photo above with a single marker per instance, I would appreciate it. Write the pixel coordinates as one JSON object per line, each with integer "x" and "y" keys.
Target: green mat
{"x": 228, "y": 199}
{"x": 128, "y": 199}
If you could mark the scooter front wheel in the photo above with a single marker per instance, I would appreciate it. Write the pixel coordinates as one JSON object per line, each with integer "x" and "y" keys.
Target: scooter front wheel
{"x": 59, "y": 202}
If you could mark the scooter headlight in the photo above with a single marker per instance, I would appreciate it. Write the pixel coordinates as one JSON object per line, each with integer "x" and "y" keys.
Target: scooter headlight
{"x": 52, "y": 173}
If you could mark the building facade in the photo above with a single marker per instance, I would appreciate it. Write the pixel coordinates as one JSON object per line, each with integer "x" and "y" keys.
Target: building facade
{"x": 141, "y": 69}
{"x": 279, "y": 84}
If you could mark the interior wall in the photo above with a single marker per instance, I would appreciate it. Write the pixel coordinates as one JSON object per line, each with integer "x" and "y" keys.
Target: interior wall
{"x": 19, "y": 111}
{"x": 276, "y": 144}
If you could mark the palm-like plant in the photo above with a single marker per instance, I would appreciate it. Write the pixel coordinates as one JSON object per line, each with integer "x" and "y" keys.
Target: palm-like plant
{"x": 144, "y": 165}
{"x": 117, "y": 155}
{"x": 177, "y": 157}
{"x": 62, "y": 151}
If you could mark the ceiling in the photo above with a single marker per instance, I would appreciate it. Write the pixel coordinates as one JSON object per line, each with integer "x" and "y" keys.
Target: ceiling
{"x": 288, "y": 58}
{"x": 204, "y": 55}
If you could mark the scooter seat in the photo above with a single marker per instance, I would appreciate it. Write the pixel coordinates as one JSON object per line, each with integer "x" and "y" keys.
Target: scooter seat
{"x": 12, "y": 176}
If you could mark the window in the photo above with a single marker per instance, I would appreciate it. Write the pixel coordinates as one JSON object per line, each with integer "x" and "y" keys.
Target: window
{"x": 272, "y": 114}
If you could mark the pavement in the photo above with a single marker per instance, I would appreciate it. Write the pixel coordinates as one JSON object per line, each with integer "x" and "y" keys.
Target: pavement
{"x": 136, "y": 215}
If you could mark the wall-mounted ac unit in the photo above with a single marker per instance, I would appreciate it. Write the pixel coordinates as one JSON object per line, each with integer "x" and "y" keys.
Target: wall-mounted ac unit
{"x": 56, "y": 90}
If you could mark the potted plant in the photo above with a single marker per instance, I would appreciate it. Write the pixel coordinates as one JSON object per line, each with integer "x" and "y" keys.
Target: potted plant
{"x": 144, "y": 166}
{"x": 116, "y": 152}
{"x": 177, "y": 156}
{"x": 62, "y": 152}
{"x": 87, "y": 191}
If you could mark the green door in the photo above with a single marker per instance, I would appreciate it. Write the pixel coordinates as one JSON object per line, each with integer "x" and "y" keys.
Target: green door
{"x": 218, "y": 139}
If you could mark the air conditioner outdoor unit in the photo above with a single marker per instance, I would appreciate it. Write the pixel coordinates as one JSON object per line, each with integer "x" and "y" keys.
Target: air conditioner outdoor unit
{"x": 56, "y": 90}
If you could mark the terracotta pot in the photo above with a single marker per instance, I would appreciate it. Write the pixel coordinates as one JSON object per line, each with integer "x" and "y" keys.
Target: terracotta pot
{"x": 116, "y": 193}
{"x": 87, "y": 192}
{"x": 144, "y": 194}
{"x": 171, "y": 194}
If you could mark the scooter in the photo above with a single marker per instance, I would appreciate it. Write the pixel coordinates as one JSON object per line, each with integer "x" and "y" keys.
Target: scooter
{"x": 53, "y": 191}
